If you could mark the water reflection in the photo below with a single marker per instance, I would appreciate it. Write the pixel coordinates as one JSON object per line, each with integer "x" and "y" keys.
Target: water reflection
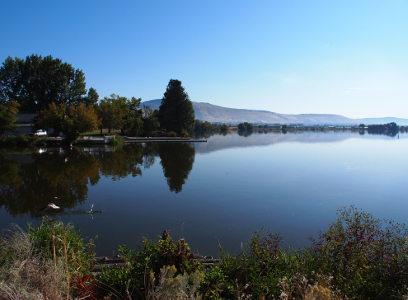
{"x": 245, "y": 133}
{"x": 177, "y": 161}
{"x": 35, "y": 180}
{"x": 122, "y": 162}
{"x": 31, "y": 181}
{"x": 9, "y": 172}
{"x": 291, "y": 182}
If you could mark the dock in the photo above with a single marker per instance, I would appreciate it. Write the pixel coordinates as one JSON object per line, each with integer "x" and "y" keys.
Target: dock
{"x": 161, "y": 140}
{"x": 130, "y": 140}
{"x": 118, "y": 261}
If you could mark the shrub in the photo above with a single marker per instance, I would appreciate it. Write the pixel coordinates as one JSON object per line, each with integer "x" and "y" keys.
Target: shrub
{"x": 133, "y": 279}
{"x": 366, "y": 256}
{"x": 184, "y": 134}
{"x": 255, "y": 272}
{"x": 55, "y": 239}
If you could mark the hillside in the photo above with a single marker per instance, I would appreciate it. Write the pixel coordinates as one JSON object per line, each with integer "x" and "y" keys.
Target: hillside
{"x": 213, "y": 113}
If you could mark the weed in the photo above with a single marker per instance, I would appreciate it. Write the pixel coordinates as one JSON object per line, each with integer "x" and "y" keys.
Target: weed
{"x": 53, "y": 238}
{"x": 182, "y": 286}
{"x": 134, "y": 278}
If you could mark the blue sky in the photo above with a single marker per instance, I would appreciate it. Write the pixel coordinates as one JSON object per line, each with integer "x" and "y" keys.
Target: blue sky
{"x": 338, "y": 57}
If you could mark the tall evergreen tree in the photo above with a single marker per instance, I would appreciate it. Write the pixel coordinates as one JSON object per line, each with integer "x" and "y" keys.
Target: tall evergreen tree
{"x": 176, "y": 111}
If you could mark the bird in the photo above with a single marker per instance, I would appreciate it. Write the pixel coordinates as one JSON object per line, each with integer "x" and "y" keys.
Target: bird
{"x": 50, "y": 206}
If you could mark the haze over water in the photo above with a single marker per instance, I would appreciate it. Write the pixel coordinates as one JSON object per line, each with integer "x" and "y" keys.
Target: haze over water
{"x": 224, "y": 189}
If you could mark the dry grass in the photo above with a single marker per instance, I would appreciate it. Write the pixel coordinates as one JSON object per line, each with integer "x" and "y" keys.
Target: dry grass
{"x": 321, "y": 290}
{"x": 26, "y": 275}
{"x": 174, "y": 287}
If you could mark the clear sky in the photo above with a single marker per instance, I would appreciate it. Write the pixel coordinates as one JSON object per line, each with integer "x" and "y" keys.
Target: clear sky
{"x": 339, "y": 57}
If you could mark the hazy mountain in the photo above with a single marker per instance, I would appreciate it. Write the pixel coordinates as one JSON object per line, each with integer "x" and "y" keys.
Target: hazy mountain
{"x": 213, "y": 113}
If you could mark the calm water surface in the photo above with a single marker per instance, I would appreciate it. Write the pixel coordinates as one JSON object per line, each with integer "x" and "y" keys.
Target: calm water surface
{"x": 224, "y": 189}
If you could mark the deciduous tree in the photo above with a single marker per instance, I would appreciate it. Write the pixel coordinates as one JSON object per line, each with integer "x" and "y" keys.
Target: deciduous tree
{"x": 53, "y": 117}
{"x": 92, "y": 98}
{"x": 8, "y": 117}
{"x": 118, "y": 112}
{"x": 150, "y": 119}
{"x": 80, "y": 119}
{"x": 36, "y": 82}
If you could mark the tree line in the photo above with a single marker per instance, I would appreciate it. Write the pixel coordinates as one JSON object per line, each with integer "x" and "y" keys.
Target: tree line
{"x": 57, "y": 91}
{"x": 205, "y": 126}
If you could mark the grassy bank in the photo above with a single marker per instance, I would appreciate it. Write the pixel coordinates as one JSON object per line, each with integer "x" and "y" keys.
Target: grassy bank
{"x": 358, "y": 257}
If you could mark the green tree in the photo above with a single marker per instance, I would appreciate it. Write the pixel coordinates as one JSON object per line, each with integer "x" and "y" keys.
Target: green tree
{"x": 36, "y": 82}
{"x": 132, "y": 115}
{"x": 110, "y": 113}
{"x": 118, "y": 112}
{"x": 150, "y": 119}
{"x": 92, "y": 98}
{"x": 53, "y": 117}
{"x": 241, "y": 127}
{"x": 249, "y": 126}
{"x": 80, "y": 119}
{"x": 8, "y": 117}
{"x": 224, "y": 128}
{"x": 176, "y": 111}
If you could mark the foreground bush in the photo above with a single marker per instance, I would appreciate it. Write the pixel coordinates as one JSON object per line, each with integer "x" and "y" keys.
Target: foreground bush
{"x": 144, "y": 266}
{"x": 54, "y": 239}
{"x": 366, "y": 256}
{"x": 358, "y": 257}
{"x": 26, "y": 272}
{"x": 49, "y": 261}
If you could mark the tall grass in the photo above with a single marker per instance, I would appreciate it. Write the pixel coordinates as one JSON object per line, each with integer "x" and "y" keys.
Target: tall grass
{"x": 44, "y": 262}
{"x": 26, "y": 272}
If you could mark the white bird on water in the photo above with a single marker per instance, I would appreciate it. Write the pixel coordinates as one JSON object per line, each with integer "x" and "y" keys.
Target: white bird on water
{"x": 50, "y": 206}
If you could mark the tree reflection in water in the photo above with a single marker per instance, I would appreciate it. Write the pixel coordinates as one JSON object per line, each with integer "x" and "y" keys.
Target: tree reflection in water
{"x": 122, "y": 162}
{"x": 43, "y": 177}
{"x": 31, "y": 181}
{"x": 177, "y": 161}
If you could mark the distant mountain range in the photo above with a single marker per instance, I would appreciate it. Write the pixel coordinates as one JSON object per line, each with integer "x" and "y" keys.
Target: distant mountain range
{"x": 218, "y": 114}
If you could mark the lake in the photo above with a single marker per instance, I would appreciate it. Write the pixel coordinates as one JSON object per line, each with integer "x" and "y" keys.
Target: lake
{"x": 220, "y": 190}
